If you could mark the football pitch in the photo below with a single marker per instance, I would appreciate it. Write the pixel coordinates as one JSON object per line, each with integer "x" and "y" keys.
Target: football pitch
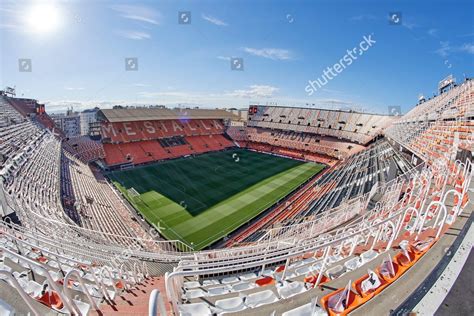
{"x": 201, "y": 199}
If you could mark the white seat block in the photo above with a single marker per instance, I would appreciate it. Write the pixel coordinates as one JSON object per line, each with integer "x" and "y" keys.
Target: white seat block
{"x": 261, "y": 298}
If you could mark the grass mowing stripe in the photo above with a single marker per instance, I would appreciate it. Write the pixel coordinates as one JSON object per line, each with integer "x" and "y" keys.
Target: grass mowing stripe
{"x": 246, "y": 205}
{"x": 203, "y": 198}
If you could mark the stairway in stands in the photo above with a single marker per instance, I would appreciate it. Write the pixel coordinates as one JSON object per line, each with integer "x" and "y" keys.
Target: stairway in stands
{"x": 135, "y": 302}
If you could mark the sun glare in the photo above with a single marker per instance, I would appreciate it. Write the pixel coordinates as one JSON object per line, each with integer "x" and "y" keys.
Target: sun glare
{"x": 43, "y": 18}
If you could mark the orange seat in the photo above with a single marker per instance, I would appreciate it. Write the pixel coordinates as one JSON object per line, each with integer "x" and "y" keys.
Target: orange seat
{"x": 420, "y": 247}
{"x": 51, "y": 299}
{"x": 403, "y": 262}
{"x": 313, "y": 278}
{"x": 70, "y": 282}
{"x": 382, "y": 271}
{"x": 372, "y": 292}
{"x": 119, "y": 285}
{"x": 265, "y": 281}
{"x": 347, "y": 306}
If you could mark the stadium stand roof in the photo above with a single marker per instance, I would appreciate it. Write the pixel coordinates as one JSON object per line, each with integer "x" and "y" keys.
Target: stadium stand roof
{"x": 151, "y": 114}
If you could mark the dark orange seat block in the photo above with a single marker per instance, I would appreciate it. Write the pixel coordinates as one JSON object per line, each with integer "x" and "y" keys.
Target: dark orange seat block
{"x": 51, "y": 299}
{"x": 403, "y": 262}
{"x": 353, "y": 302}
{"x": 388, "y": 278}
{"x": 357, "y": 285}
{"x": 313, "y": 278}
{"x": 265, "y": 281}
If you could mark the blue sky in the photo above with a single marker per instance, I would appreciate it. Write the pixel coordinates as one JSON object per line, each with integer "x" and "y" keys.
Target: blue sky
{"x": 284, "y": 44}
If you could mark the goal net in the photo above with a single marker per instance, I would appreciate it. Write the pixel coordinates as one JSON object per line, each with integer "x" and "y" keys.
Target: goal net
{"x": 133, "y": 193}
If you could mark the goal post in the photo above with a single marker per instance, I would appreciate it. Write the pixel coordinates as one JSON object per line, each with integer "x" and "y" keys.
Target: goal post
{"x": 133, "y": 193}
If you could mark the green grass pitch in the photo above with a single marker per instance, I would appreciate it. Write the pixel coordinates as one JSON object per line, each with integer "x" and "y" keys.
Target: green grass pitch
{"x": 201, "y": 199}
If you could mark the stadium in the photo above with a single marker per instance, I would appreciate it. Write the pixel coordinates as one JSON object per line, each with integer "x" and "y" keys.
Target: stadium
{"x": 288, "y": 210}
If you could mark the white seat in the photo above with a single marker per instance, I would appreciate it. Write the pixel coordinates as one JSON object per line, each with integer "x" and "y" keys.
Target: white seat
{"x": 317, "y": 266}
{"x": 335, "y": 272}
{"x": 55, "y": 275}
{"x": 53, "y": 264}
{"x": 242, "y": 286}
{"x": 5, "y": 309}
{"x": 304, "y": 270}
{"x": 229, "y": 305}
{"x": 291, "y": 289}
{"x": 4, "y": 268}
{"x": 194, "y": 293}
{"x": 352, "y": 264}
{"x": 248, "y": 276}
{"x": 261, "y": 298}
{"x": 33, "y": 289}
{"x": 335, "y": 258}
{"x": 93, "y": 290}
{"x": 368, "y": 256}
{"x": 229, "y": 280}
{"x": 195, "y": 309}
{"x": 309, "y": 260}
{"x": 83, "y": 307}
{"x": 191, "y": 285}
{"x": 305, "y": 310}
{"x": 210, "y": 282}
{"x": 296, "y": 264}
{"x": 218, "y": 290}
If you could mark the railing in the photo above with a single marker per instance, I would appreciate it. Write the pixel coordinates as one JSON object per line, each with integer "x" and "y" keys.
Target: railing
{"x": 386, "y": 224}
{"x": 156, "y": 304}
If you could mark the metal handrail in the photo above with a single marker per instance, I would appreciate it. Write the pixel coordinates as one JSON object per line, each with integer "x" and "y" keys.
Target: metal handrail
{"x": 156, "y": 304}
{"x": 26, "y": 298}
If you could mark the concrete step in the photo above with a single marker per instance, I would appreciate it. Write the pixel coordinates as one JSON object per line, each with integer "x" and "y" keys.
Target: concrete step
{"x": 135, "y": 301}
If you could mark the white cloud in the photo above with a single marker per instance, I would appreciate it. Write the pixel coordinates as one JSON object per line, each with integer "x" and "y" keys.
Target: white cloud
{"x": 466, "y": 35}
{"x": 214, "y": 20}
{"x": 62, "y": 105}
{"x": 160, "y": 94}
{"x": 138, "y": 13}
{"x": 433, "y": 32}
{"x": 134, "y": 35}
{"x": 409, "y": 25}
{"x": 271, "y": 53}
{"x": 447, "y": 49}
{"x": 141, "y": 85}
{"x": 73, "y": 88}
{"x": 255, "y": 92}
{"x": 468, "y": 48}
{"x": 223, "y": 58}
{"x": 444, "y": 50}
{"x": 251, "y": 92}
